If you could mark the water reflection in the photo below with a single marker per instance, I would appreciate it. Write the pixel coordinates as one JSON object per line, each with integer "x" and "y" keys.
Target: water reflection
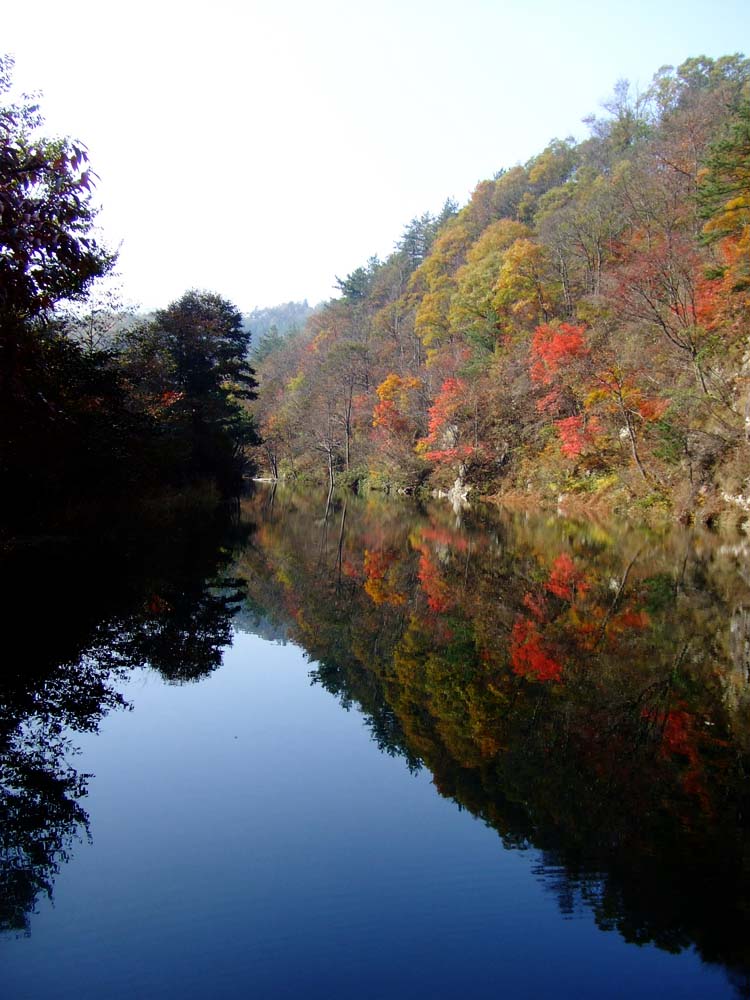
{"x": 582, "y": 688}
{"x": 139, "y": 593}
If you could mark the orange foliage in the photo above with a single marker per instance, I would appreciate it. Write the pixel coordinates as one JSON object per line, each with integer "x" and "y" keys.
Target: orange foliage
{"x": 386, "y": 416}
{"x": 652, "y": 409}
{"x": 377, "y": 565}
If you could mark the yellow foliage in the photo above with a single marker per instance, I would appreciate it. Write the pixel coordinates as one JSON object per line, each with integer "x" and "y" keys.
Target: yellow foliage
{"x": 394, "y": 386}
{"x": 431, "y": 320}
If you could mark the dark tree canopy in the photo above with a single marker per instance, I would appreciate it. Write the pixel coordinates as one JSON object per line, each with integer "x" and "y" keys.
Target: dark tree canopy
{"x": 162, "y": 406}
{"x": 190, "y": 365}
{"x": 48, "y": 249}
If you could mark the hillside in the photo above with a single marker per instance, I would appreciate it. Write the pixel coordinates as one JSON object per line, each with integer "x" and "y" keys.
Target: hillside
{"x": 579, "y": 327}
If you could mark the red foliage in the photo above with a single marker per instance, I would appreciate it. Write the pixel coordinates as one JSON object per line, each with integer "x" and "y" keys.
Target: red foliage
{"x": 433, "y": 585}
{"x": 576, "y": 435}
{"x": 446, "y": 403}
{"x": 708, "y": 302}
{"x": 554, "y": 347}
{"x": 565, "y": 580}
{"x": 549, "y": 403}
{"x": 527, "y": 657}
{"x": 449, "y": 455}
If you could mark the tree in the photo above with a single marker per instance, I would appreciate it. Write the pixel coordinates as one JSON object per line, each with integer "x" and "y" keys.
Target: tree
{"x": 48, "y": 251}
{"x": 191, "y": 362}
{"x": 724, "y": 198}
{"x": 55, "y": 406}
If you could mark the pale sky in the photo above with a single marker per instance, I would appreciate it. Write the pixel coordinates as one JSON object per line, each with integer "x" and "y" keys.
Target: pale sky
{"x": 258, "y": 149}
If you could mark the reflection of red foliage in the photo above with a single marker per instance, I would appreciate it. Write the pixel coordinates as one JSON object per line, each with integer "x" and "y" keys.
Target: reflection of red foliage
{"x": 433, "y": 585}
{"x": 527, "y": 657}
{"x": 441, "y": 536}
{"x": 679, "y": 738}
{"x": 377, "y": 565}
{"x": 349, "y": 569}
{"x": 564, "y": 579}
{"x": 634, "y": 619}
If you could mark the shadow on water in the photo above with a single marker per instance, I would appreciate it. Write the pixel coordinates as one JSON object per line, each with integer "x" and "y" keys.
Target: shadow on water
{"x": 81, "y": 612}
{"x": 581, "y": 688}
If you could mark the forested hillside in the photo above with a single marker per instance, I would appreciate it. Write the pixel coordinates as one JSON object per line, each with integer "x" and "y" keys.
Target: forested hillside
{"x": 579, "y": 327}
{"x": 270, "y": 326}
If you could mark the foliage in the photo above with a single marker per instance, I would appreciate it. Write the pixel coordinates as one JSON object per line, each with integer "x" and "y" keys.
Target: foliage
{"x": 48, "y": 248}
{"x": 578, "y": 301}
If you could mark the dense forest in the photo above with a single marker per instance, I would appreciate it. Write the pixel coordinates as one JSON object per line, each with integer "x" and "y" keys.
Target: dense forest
{"x": 579, "y": 328}
{"x": 93, "y": 404}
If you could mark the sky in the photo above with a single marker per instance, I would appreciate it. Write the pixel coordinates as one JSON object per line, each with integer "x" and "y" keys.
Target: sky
{"x": 259, "y": 149}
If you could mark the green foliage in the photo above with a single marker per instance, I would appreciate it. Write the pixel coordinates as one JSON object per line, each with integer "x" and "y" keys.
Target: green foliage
{"x": 672, "y": 444}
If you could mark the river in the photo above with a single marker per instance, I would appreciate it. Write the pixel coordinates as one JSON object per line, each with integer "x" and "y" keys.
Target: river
{"x": 380, "y": 749}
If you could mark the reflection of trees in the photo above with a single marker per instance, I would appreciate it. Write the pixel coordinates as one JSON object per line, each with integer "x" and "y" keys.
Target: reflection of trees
{"x": 40, "y": 818}
{"x": 40, "y": 813}
{"x": 574, "y": 689}
{"x": 125, "y": 599}
{"x": 182, "y": 634}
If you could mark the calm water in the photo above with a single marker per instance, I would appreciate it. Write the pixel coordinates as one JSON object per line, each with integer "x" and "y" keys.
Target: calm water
{"x": 388, "y": 752}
